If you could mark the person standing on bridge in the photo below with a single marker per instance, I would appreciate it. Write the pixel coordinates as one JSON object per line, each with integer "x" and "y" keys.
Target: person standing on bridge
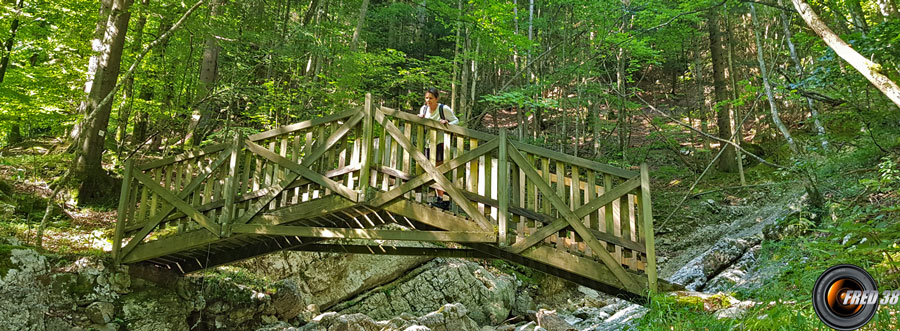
{"x": 444, "y": 114}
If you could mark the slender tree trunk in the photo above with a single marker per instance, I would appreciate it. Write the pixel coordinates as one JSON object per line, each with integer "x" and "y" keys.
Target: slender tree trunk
{"x": 128, "y": 89}
{"x": 4, "y": 61}
{"x": 456, "y": 60}
{"x": 472, "y": 96}
{"x": 785, "y": 23}
{"x": 528, "y": 59}
{"x": 723, "y": 110}
{"x": 313, "y": 7}
{"x": 869, "y": 69}
{"x": 209, "y": 74}
{"x": 359, "y": 25}
{"x": 762, "y": 70}
{"x": 87, "y": 166}
{"x": 464, "y": 80}
{"x": 856, "y": 13}
{"x": 732, "y": 80}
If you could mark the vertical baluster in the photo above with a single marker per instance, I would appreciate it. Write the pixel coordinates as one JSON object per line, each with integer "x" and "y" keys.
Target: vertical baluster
{"x": 308, "y": 146}
{"x": 503, "y": 195}
{"x": 245, "y": 186}
{"x": 352, "y": 179}
{"x": 490, "y": 187}
{"x": 530, "y": 197}
{"x": 592, "y": 220}
{"x": 420, "y": 147}
{"x": 295, "y": 157}
{"x": 459, "y": 174}
{"x": 473, "y": 168}
{"x": 407, "y": 162}
{"x": 561, "y": 192}
{"x": 283, "y": 149}
{"x": 575, "y": 242}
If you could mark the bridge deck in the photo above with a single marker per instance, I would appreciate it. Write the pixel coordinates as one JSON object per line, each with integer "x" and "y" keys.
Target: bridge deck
{"x": 334, "y": 183}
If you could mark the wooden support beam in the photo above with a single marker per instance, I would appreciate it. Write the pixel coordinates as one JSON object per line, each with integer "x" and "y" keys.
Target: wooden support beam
{"x": 503, "y": 190}
{"x": 366, "y": 155}
{"x": 181, "y": 157}
{"x": 198, "y": 238}
{"x": 573, "y": 220}
{"x": 374, "y": 234}
{"x": 124, "y": 205}
{"x": 394, "y": 250}
{"x": 156, "y": 219}
{"x": 438, "y": 177}
{"x": 302, "y": 125}
{"x": 646, "y": 220}
{"x": 423, "y": 179}
{"x": 300, "y": 170}
{"x": 430, "y": 216}
{"x": 231, "y": 185}
{"x": 177, "y": 202}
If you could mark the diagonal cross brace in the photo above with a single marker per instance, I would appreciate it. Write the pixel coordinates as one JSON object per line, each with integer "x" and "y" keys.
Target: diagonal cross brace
{"x": 430, "y": 169}
{"x": 188, "y": 189}
{"x": 424, "y": 179}
{"x": 272, "y": 191}
{"x": 580, "y": 213}
{"x": 573, "y": 220}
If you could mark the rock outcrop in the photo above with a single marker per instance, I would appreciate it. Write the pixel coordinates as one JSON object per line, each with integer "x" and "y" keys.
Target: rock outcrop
{"x": 489, "y": 297}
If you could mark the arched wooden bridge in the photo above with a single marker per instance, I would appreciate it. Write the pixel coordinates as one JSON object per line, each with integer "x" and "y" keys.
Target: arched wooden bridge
{"x": 310, "y": 186}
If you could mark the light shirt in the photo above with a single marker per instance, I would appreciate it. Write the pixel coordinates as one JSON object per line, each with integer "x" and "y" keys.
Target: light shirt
{"x": 436, "y": 115}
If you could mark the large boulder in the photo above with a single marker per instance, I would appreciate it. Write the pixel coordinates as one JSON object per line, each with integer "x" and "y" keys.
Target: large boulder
{"x": 153, "y": 308}
{"x": 325, "y": 279}
{"x": 696, "y": 273}
{"x": 489, "y": 297}
{"x": 24, "y": 304}
{"x": 450, "y": 317}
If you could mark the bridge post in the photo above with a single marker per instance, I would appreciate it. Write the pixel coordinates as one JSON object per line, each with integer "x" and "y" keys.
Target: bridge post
{"x": 365, "y": 170}
{"x": 503, "y": 190}
{"x": 124, "y": 205}
{"x": 647, "y": 220}
{"x": 231, "y": 185}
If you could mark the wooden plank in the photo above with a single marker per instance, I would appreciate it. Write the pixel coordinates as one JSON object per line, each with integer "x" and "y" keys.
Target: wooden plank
{"x": 182, "y": 157}
{"x": 607, "y": 210}
{"x": 647, "y": 221}
{"x": 394, "y": 250}
{"x": 382, "y": 198}
{"x": 184, "y": 207}
{"x": 574, "y": 160}
{"x": 374, "y": 234}
{"x": 283, "y": 151}
{"x": 574, "y": 222}
{"x": 574, "y": 202}
{"x": 503, "y": 191}
{"x": 594, "y": 217}
{"x": 473, "y": 169}
{"x": 430, "y": 216}
{"x": 365, "y": 173}
{"x": 439, "y": 178}
{"x": 302, "y": 125}
{"x": 301, "y": 170}
{"x": 587, "y": 268}
{"x": 124, "y": 204}
{"x": 231, "y": 185}
{"x": 456, "y": 129}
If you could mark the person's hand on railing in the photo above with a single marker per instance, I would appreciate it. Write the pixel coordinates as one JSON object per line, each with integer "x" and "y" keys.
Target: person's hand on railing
{"x": 444, "y": 121}
{"x": 422, "y": 115}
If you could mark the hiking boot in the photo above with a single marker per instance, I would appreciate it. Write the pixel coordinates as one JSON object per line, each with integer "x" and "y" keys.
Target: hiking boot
{"x": 445, "y": 205}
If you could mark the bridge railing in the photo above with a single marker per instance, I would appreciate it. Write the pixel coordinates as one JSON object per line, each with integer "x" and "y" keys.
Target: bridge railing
{"x": 537, "y": 202}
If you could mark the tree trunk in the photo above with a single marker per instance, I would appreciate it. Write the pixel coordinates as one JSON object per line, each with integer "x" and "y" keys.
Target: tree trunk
{"x": 869, "y": 69}
{"x": 209, "y": 74}
{"x": 95, "y": 183}
{"x": 4, "y": 62}
{"x": 765, "y": 78}
{"x": 472, "y": 96}
{"x": 859, "y": 19}
{"x": 736, "y": 113}
{"x": 359, "y": 25}
{"x": 464, "y": 80}
{"x": 456, "y": 61}
{"x": 128, "y": 89}
{"x": 720, "y": 83}
{"x": 785, "y": 23}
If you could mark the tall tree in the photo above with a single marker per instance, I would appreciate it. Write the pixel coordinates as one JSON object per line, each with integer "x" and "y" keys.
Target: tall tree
{"x": 14, "y": 136}
{"x": 810, "y": 104}
{"x": 359, "y": 24}
{"x": 87, "y": 166}
{"x": 765, "y": 78}
{"x": 868, "y": 68}
{"x": 209, "y": 73}
{"x": 728, "y": 161}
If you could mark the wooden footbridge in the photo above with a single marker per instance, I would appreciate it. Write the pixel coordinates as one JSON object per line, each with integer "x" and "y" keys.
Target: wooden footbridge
{"x": 334, "y": 183}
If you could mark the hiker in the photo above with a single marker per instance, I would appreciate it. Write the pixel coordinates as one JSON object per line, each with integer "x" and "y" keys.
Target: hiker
{"x": 444, "y": 114}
